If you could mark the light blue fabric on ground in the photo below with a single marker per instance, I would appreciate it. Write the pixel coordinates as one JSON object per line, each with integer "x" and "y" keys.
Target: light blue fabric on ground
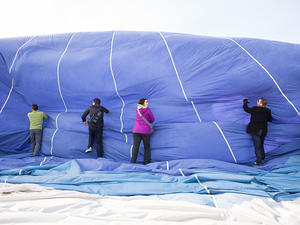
{"x": 282, "y": 183}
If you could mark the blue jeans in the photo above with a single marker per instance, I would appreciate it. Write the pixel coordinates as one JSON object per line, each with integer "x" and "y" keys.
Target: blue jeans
{"x": 36, "y": 141}
{"x": 258, "y": 140}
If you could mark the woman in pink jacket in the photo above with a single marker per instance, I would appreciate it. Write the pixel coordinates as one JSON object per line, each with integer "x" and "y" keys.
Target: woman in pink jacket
{"x": 142, "y": 130}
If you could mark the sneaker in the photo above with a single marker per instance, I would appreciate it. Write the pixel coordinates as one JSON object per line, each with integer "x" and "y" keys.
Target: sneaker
{"x": 257, "y": 164}
{"x": 88, "y": 150}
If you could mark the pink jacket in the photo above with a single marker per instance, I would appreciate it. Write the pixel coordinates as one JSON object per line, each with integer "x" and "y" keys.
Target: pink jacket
{"x": 140, "y": 126}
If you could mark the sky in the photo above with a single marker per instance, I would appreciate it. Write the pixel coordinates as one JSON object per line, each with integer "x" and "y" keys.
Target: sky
{"x": 266, "y": 19}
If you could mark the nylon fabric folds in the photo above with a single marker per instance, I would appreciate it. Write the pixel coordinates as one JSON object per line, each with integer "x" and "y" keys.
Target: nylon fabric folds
{"x": 195, "y": 86}
{"x": 280, "y": 184}
{"x": 214, "y": 74}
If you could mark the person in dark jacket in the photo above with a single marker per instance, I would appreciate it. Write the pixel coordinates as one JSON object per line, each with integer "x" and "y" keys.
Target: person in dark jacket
{"x": 142, "y": 130}
{"x": 95, "y": 124}
{"x": 258, "y": 126}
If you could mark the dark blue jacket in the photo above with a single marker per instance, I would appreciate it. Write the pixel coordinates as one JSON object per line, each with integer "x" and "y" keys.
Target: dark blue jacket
{"x": 259, "y": 119}
{"x": 96, "y": 116}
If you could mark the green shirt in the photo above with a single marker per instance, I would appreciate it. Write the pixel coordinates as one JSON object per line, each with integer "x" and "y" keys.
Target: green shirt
{"x": 36, "y": 119}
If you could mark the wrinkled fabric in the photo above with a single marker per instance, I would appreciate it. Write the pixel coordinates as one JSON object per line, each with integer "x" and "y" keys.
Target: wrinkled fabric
{"x": 195, "y": 86}
{"x": 93, "y": 176}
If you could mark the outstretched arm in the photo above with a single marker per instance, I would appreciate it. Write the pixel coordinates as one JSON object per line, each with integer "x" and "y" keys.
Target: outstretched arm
{"x": 245, "y": 106}
{"x": 151, "y": 116}
{"x": 84, "y": 115}
{"x": 45, "y": 115}
{"x": 270, "y": 116}
{"x": 105, "y": 110}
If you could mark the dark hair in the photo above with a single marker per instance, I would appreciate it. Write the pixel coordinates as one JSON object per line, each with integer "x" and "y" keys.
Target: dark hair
{"x": 96, "y": 101}
{"x": 142, "y": 101}
{"x": 264, "y": 102}
{"x": 34, "y": 107}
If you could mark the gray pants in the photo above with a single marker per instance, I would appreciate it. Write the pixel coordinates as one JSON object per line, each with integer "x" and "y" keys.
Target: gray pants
{"x": 36, "y": 141}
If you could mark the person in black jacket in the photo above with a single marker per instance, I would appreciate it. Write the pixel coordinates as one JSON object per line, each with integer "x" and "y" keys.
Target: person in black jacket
{"x": 258, "y": 127}
{"x": 95, "y": 124}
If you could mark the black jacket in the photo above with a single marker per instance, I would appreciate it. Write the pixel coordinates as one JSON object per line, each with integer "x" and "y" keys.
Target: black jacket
{"x": 259, "y": 119}
{"x": 96, "y": 116}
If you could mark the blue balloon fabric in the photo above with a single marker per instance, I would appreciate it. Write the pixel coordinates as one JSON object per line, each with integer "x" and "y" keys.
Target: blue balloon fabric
{"x": 194, "y": 85}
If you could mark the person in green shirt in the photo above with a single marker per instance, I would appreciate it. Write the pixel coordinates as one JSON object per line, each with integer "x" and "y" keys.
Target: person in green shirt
{"x": 36, "y": 118}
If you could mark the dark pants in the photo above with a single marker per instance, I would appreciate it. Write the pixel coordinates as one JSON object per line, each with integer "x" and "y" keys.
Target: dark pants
{"x": 258, "y": 140}
{"x": 137, "y": 138}
{"x": 36, "y": 141}
{"x": 96, "y": 132}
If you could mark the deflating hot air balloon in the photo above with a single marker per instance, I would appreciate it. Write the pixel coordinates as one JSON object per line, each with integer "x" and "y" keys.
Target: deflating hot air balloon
{"x": 194, "y": 85}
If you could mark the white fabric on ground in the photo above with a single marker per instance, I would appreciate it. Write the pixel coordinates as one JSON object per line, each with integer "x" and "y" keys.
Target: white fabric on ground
{"x": 34, "y": 204}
